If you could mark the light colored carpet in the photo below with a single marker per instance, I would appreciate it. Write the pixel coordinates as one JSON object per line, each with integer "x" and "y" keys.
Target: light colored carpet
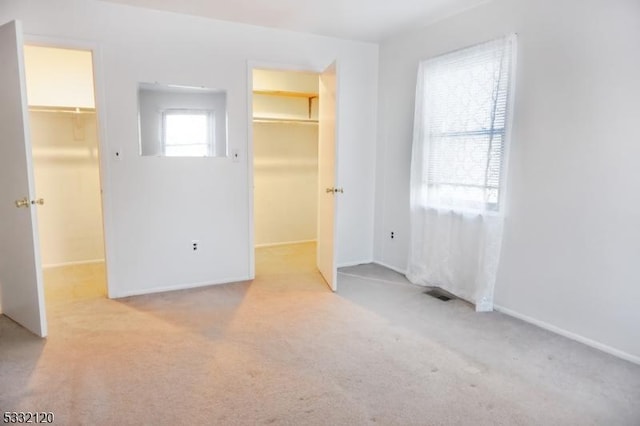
{"x": 285, "y": 350}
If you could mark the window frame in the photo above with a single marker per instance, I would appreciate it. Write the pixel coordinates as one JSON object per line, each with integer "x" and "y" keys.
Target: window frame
{"x": 501, "y": 134}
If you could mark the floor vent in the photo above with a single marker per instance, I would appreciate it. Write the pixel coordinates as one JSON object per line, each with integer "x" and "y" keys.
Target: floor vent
{"x": 439, "y": 294}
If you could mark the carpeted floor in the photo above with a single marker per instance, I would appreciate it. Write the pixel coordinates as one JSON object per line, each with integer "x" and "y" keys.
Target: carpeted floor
{"x": 285, "y": 350}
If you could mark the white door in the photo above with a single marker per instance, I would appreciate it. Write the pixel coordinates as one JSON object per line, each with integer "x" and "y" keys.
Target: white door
{"x": 21, "y": 291}
{"x": 326, "y": 259}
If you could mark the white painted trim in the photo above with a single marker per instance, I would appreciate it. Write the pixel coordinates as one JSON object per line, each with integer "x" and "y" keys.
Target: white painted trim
{"x": 286, "y": 243}
{"x": 105, "y": 151}
{"x": 570, "y": 335}
{"x": 354, "y": 263}
{"x": 74, "y": 263}
{"x": 508, "y": 135}
{"x": 250, "y": 172}
{"x": 154, "y": 290}
{"x": 393, "y": 268}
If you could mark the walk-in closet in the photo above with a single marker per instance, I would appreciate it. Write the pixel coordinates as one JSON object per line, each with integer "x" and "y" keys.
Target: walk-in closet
{"x": 65, "y": 158}
{"x": 285, "y": 141}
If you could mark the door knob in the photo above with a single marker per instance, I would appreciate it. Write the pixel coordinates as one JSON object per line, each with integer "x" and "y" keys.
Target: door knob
{"x": 23, "y": 202}
{"x": 38, "y": 201}
{"x": 334, "y": 190}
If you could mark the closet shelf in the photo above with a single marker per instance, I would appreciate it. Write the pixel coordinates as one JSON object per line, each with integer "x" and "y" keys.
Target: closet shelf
{"x": 63, "y": 110}
{"x": 286, "y": 93}
{"x": 284, "y": 120}
{"x": 310, "y": 97}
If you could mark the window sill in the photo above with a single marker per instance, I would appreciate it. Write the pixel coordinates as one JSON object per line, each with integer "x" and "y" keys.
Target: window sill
{"x": 468, "y": 212}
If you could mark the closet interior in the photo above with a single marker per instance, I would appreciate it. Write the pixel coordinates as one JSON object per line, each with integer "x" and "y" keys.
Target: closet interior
{"x": 285, "y": 145}
{"x": 65, "y": 158}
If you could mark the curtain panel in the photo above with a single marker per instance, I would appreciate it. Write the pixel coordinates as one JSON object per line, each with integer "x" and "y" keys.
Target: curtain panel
{"x": 458, "y": 169}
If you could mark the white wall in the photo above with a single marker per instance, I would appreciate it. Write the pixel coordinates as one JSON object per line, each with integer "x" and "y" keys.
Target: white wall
{"x": 286, "y": 182}
{"x": 154, "y": 208}
{"x": 65, "y": 162}
{"x": 572, "y": 236}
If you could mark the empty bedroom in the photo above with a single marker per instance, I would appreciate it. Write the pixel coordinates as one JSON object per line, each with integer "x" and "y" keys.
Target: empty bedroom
{"x": 320, "y": 213}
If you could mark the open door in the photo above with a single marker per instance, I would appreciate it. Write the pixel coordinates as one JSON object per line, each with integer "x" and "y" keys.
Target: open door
{"x": 21, "y": 290}
{"x": 326, "y": 259}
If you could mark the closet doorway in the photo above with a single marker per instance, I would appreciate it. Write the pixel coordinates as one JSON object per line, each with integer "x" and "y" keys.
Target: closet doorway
{"x": 65, "y": 157}
{"x": 285, "y": 162}
{"x": 294, "y": 155}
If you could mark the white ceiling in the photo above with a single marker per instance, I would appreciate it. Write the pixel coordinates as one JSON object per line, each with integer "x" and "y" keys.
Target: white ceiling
{"x": 366, "y": 20}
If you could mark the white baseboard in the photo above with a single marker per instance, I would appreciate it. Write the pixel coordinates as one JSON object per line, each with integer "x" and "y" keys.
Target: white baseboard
{"x": 79, "y": 262}
{"x": 393, "y": 268}
{"x": 286, "y": 243}
{"x": 353, "y": 263}
{"x": 570, "y": 335}
{"x": 121, "y": 294}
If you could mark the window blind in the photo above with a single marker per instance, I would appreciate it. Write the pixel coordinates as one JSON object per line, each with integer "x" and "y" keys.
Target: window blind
{"x": 463, "y": 114}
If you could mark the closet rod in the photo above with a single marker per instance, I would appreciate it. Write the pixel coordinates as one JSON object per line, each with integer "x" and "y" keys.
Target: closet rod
{"x": 286, "y": 93}
{"x": 285, "y": 120}
{"x": 63, "y": 110}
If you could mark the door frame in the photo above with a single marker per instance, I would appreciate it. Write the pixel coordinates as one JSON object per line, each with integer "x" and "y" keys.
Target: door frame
{"x": 275, "y": 66}
{"x": 103, "y": 147}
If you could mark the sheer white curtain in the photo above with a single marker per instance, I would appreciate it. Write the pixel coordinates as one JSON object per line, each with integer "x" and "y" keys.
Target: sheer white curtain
{"x": 458, "y": 169}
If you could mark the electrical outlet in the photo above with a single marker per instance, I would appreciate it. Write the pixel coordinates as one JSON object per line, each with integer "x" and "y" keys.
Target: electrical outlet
{"x": 393, "y": 235}
{"x": 195, "y": 245}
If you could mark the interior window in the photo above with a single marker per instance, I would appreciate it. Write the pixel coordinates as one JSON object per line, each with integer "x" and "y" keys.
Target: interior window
{"x": 182, "y": 121}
